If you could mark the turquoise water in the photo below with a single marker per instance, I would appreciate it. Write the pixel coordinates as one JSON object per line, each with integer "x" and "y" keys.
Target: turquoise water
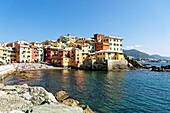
{"x": 140, "y": 91}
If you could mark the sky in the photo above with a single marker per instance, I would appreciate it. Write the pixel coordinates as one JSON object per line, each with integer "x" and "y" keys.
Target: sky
{"x": 143, "y": 24}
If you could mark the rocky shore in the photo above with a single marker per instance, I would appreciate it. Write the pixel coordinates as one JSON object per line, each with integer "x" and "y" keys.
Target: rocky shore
{"x": 29, "y": 99}
{"x": 161, "y": 69}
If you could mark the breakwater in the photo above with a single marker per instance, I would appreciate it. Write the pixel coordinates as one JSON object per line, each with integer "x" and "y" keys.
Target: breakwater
{"x": 27, "y": 99}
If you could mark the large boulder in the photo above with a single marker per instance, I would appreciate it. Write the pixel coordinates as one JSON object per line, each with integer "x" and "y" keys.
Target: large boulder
{"x": 70, "y": 102}
{"x": 37, "y": 95}
{"x": 61, "y": 95}
{"x": 10, "y": 102}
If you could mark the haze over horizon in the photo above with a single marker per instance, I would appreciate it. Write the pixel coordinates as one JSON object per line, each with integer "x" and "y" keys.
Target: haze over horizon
{"x": 144, "y": 25}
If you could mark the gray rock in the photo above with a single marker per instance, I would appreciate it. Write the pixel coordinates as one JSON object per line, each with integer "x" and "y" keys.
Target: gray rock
{"x": 61, "y": 95}
{"x": 39, "y": 95}
{"x": 13, "y": 102}
{"x": 51, "y": 98}
{"x": 26, "y": 96}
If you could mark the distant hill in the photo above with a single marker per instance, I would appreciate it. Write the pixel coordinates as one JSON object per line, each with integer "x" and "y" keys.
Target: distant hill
{"x": 160, "y": 57}
{"x": 138, "y": 54}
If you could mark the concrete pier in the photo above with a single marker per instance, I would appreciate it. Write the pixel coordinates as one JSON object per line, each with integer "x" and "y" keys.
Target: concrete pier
{"x": 4, "y": 69}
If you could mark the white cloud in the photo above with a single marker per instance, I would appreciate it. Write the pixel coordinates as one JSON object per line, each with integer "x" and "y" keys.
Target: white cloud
{"x": 133, "y": 46}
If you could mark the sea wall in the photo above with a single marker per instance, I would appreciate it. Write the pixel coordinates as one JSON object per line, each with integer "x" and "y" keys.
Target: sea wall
{"x": 107, "y": 65}
{"x": 116, "y": 65}
{"x": 4, "y": 69}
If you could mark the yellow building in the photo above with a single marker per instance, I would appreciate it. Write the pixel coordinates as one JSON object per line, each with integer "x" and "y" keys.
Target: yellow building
{"x": 84, "y": 40}
{"x": 76, "y": 57}
{"x": 109, "y": 55}
{"x": 91, "y": 56}
{"x": 71, "y": 44}
{"x": 80, "y": 40}
{"x": 85, "y": 51}
{"x": 66, "y": 61}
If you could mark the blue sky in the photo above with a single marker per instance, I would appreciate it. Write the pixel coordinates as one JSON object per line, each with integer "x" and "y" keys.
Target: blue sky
{"x": 143, "y": 24}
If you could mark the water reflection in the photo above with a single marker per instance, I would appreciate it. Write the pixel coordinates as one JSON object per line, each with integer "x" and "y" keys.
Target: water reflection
{"x": 107, "y": 92}
{"x": 80, "y": 79}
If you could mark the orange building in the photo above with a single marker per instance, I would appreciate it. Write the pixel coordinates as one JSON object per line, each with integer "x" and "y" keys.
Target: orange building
{"x": 102, "y": 46}
{"x": 98, "y": 37}
{"x": 35, "y": 54}
{"x": 49, "y": 52}
{"x": 76, "y": 57}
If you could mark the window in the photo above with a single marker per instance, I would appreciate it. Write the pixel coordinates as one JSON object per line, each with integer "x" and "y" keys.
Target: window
{"x": 110, "y": 43}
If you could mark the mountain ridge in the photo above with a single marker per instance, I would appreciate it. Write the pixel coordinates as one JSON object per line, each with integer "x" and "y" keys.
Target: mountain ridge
{"x": 138, "y": 54}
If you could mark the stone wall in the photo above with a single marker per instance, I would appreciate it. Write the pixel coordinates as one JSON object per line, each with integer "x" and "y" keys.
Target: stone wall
{"x": 117, "y": 65}
{"x": 108, "y": 65}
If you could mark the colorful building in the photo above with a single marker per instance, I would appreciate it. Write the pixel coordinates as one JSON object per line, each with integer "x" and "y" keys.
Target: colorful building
{"x": 38, "y": 51}
{"x": 102, "y": 46}
{"x": 23, "y": 51}
{"x": 98, "y": 37}
{"x": 68, "y": 38}
{"x": 49, "y": 52}
{"x": 115, "y": 44}
{"x": 108, "y": 55}
{"x": 7, "y": 54}
{"x": 64, "y": 57}
{"x": 76, "y": 57}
